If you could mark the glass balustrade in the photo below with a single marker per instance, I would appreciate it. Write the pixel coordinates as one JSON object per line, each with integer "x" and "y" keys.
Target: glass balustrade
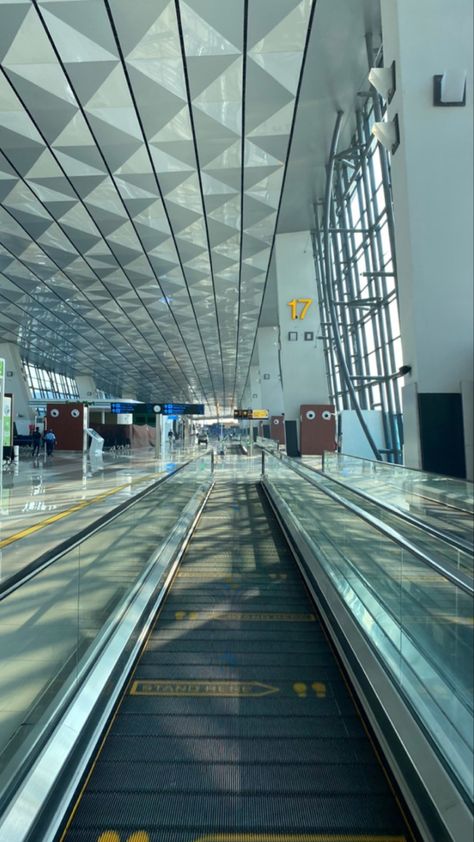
{"x": 418, "y": 622}
{"x": 442, "y": 502}
{"x": 50, "y": 624}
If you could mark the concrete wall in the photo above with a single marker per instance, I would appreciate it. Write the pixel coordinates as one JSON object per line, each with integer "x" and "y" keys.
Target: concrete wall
{"x": 432, "y": 173}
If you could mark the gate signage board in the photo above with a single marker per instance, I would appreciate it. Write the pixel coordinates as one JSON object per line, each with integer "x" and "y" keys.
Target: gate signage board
{"x": 251, "y": 414}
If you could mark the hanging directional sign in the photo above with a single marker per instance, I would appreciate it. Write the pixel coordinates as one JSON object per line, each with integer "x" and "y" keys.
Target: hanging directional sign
{"x": 119, "y": 408}
{"x": 250, "y": 414}
{"x": 159, "y": 408}
{"x": 175, "y": 408}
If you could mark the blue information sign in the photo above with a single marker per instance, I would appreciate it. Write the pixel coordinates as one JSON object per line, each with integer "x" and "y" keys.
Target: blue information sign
{"x": 175, "y": 408}
{"x": 124, "y": 407}
{"x": 159, "y": 408}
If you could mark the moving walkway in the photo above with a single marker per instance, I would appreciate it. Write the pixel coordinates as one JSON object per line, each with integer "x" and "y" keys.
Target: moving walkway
{"x": 241, "y": 683}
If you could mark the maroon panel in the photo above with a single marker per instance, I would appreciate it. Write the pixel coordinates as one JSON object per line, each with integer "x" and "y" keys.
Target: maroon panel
{"x": 66, "y": 420}
{"x": 318, "y": 428}
{"x": 277, "y": 428}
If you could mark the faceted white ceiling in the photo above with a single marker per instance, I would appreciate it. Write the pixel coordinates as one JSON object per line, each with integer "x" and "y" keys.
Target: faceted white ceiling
{"x": 144, "y": 146}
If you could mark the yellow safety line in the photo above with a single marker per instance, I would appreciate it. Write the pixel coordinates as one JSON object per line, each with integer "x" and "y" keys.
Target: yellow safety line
{"x": 76, "y": 508}
{"x": 299, "y": 837}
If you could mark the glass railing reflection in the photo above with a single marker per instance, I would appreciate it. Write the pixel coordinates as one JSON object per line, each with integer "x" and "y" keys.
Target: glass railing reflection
{"x": 418, "y": 621}
{"x": 49, "y": 624}
{"x": 441, "y": 502}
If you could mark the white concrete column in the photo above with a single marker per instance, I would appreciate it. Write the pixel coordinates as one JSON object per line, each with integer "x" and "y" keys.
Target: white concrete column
{"x": 432, "y": 175}
{"x": 269, "y": 370}
{"x": 255, "y": 388}
{"x": 86, "y": 386}
{"x": 15, "y": 382}
{"x": 302, "y": 359}
{"x": 246, "y": 399}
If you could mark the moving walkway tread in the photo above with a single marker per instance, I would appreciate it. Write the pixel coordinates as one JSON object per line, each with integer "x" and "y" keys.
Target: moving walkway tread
{"x": 237, "y": 723}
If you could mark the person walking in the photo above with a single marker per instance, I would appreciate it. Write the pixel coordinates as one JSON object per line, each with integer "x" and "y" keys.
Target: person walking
{"x": 50, "y": 440}
{"x": 36, "y": 442}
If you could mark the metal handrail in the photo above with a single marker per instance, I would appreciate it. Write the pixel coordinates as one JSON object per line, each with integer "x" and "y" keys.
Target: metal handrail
{"x": 458, "y": 580}
{"x": 12, "y": 583}
{"x": 457, "y": 543}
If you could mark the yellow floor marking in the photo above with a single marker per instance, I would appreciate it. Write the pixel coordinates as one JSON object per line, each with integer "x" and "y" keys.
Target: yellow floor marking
{"x": 299, "y": 837}
{"x": 76, "y": 508}
{"x": 245, "y": 616}
{"x": 301, "y": 689}
{"x": 202, "y": 688}
{"x": 304, "y": 837}
{"x": 113, "y": 836}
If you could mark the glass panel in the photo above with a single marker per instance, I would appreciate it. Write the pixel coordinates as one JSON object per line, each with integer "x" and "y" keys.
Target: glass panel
{"x": 49, "y": 625}
{"x": 444, "y": 503}
{"x": 418, "y": 622}
{"x": 49, "y": 384}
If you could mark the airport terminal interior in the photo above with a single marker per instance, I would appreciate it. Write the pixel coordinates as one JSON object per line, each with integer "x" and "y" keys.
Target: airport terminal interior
{"x": 236, "y": 413}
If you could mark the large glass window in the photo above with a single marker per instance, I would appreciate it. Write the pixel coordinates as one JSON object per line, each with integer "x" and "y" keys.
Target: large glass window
{"x": 49, "y": 385}
{"x": 363, "y": 280}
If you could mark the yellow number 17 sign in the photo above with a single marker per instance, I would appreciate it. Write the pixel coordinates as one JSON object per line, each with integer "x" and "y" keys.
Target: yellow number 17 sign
{"x": 293, "y": 305}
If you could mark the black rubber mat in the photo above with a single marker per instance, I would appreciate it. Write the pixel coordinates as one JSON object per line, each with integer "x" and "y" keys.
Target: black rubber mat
{"x": 237, "y": 725}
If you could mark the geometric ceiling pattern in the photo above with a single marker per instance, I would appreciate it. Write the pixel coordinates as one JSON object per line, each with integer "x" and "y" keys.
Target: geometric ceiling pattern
{"x": 144, "y": 146}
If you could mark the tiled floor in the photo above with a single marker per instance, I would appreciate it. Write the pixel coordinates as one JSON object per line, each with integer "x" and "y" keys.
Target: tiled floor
{"x": 44, "y": 501}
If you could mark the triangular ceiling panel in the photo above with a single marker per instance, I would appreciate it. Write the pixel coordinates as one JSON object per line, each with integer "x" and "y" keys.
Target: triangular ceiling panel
{"x": 13, "y": 22}
{"x": 122, "y": 176}
{"x": 160, "y": 39}
{"x": 75, "y": 133}
{"x": 87, "y": 77}
{"x": 284, "y": 67}
{"x": 182, "y": 150}
{"x": 226, "y": 18}
{"x": 201, "y": 38}
{"x": 73, "y": 45}
{"x": 264, "y": 96}
{"x": 86, "y": 17}
{"x": 166, "y": 72}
